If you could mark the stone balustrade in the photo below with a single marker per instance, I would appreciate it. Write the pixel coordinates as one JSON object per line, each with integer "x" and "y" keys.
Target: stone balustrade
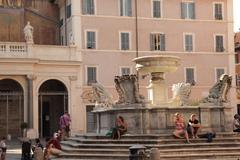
{"x": 41, "y": 52}
{"x": 13, "y": 49}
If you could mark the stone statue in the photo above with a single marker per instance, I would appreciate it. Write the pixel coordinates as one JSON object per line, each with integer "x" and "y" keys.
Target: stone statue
{"x": 181, "y": 93}
{"x": 18, "y": 3}
{"x": 28, "y": 32}
{"x": 71, "y": 39}
{"x": 101, "y": 96}
{"x": 127, "y": 88}
{"x": 218, "y": 93}
{"x": 11, "y": 3}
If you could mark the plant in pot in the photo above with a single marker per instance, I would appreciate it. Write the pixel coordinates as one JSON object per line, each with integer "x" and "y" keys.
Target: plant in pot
{"x": 24, "y": 126}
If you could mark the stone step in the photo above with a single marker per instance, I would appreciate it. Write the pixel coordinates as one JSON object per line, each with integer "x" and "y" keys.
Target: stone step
{"x": 200, "y": 150}
{"x": 148, "y": 136}
{"x": 189, "y": 156}
{"x": 93, "y": 156}
{"x": 234, "y": 158}
{"x": 67, "y": 149}
{"x": 206, "y": 156}
{"x": 225, "y": 146}
{"x": 160, "y": 146}
{"x": 162, "y": 151}
{"x": 150, "y": 141}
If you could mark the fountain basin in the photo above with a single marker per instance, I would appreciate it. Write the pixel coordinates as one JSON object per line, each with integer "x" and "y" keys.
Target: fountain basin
{"x": 157, "y": 63}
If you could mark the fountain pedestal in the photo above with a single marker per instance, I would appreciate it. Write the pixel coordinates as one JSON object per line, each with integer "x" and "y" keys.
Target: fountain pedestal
{"x": 157, "y": 89}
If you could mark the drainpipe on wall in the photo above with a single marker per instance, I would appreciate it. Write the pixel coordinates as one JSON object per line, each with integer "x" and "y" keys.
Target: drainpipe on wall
{"x": 65, "y": 8}
{"x": 136, "y": 26}
{"x": 136, "y": 32}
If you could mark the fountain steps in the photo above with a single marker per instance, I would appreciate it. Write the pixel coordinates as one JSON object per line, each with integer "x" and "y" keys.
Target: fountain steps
{"x": 96, "y": 147}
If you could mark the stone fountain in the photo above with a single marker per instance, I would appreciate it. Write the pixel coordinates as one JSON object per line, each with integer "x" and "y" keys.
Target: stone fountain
{"x": 157, "y": 66}
{"x": 158, "y": 115}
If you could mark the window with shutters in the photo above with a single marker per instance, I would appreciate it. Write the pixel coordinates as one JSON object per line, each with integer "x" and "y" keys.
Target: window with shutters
{"x": 91, "y": 75}
{"x": 157, "y": 41}
{"x": 238, "y": 81}
{"x": 125, "y": 40}
{"x": 188, "y": 42}
{"x": 88, "y": 7}
{"x": 126, "y": 8}
{"x": 68, "y": 11}
{"x": 188, "y": 10}
{"x": 218, "y": 11}
{"x": 91, "y": 40}
{"x": 190, "y": 75}
{"x": 156, "y": 8}
{"x": 125, "y": 71}
{"x": 219, "y": 72}
{"x": 91, "y": 119}
{"x": 219, "y": 43}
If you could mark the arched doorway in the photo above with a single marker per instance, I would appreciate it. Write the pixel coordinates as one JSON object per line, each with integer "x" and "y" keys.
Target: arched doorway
{"x": 11, "y": 107}
{"x": 53, "y": 102}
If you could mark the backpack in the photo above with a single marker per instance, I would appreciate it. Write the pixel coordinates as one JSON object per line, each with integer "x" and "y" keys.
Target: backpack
{"x": 210, "y": 136}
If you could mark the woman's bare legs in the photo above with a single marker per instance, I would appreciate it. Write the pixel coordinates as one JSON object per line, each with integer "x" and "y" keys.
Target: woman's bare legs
{"x": 186, "y": 136}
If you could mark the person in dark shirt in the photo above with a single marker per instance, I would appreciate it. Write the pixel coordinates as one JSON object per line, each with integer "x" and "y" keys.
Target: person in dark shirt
{"x": 193, "y": 126}
{"x": 26, "y": 149}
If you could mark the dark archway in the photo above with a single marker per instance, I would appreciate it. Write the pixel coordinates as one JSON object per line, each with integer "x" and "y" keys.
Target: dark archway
{"x": 53, "y": 102}
{"x": 11, "y": 107}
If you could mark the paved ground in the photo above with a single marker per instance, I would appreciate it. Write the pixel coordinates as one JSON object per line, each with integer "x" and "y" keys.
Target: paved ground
{"x": 14, "y": 150}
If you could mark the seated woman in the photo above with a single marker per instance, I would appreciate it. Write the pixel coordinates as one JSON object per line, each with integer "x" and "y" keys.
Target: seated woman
{"x": 180, "y": 127}
{"x": 120, "y": 128}
{"x": 193, "y": 126}
{"x": 236, "y": 123}
{"x": 53, "y": 147}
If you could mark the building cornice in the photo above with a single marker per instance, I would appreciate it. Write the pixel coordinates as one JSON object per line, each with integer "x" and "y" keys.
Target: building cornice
{"x": 40, "y": 62}
{"x": 155, "y": 19}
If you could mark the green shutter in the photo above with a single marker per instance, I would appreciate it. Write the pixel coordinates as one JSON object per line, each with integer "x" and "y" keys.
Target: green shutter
{"x": 152, "y": 44}
{"x": 162, "y": 42}
{"x": 183, "y": 10}
{"x": 129, "y": 7}
{"x": 121, "y": 7}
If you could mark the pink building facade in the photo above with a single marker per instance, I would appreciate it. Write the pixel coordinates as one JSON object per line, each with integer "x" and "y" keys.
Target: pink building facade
{"x": 108, "y": 34}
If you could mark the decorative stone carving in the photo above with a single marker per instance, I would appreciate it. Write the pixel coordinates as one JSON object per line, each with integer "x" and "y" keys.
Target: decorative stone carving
{"x": 87, "y": 96}
{"x": 11, "y": 3}
{"x": 218, "y": 93}
{"x": 181, "y": 93}
{"x": 73, "y": 78}
{"x": 28, "y": 32}
{"x": 127, "y": 88}
{"x": 101, "y": 96}
{"x": 31, "y": 77}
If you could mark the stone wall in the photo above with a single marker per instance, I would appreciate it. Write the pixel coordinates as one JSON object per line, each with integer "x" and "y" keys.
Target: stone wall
{"x": 44, "y": 17}
{"x": 144, "y": 120}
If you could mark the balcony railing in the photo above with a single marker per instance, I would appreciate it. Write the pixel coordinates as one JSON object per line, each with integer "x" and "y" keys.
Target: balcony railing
{"x": 13, "y": 49}
{"x": 42, "y": 52}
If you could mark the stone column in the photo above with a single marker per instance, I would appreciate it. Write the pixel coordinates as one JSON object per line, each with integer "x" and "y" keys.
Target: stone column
{"x": 30, "y": 79}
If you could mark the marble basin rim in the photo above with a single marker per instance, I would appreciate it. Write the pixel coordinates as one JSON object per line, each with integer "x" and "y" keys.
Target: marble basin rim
{"x": 157, "y": 63}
